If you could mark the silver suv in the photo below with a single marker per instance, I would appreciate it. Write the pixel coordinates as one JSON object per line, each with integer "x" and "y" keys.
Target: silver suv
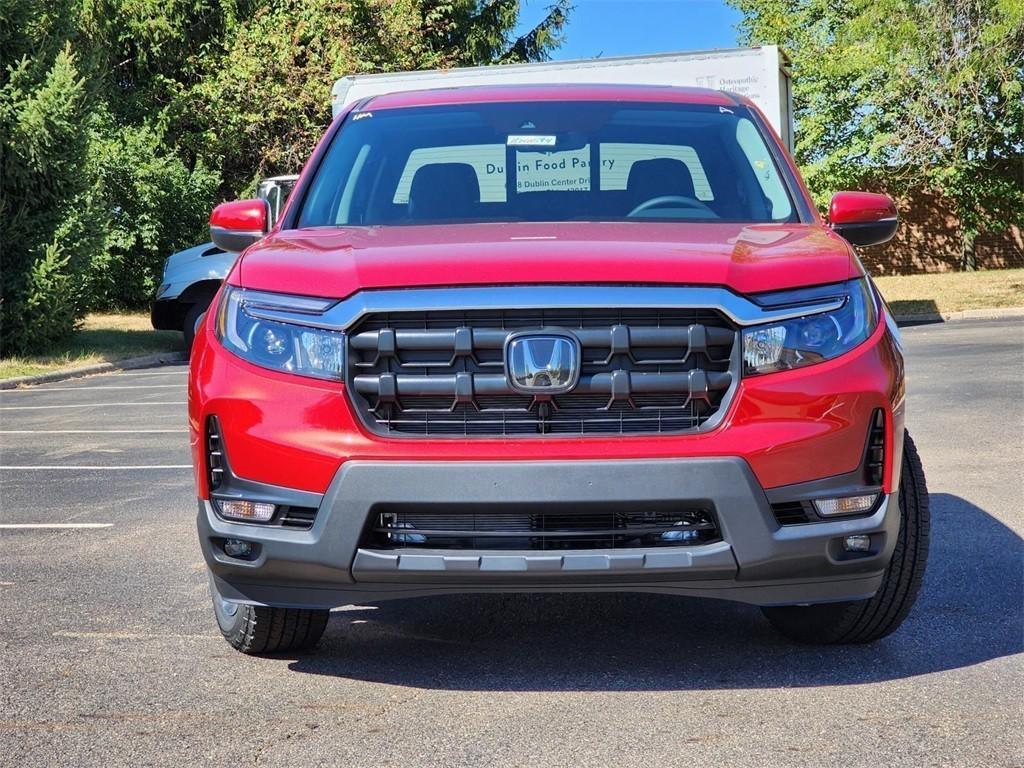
{"x": 193, "y": 276}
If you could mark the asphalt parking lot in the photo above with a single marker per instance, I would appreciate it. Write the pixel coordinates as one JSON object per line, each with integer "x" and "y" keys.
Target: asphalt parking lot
{"x": 109, "y": 654}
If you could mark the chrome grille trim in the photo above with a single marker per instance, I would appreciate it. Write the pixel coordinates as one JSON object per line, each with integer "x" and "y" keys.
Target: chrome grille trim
{"x": 344, "y": 314}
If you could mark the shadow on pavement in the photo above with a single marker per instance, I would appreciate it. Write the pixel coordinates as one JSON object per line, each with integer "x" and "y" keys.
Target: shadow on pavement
{"x": 970, "y": 610}
{"x": 923, "y": 308}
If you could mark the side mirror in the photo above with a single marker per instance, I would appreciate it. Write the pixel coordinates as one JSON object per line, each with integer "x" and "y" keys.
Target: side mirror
{"x": 863, "y": 218}
{"x": 236, "y": 225}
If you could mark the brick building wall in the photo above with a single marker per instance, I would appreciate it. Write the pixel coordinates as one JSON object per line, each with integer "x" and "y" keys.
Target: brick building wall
{"x": 928, "y": 240}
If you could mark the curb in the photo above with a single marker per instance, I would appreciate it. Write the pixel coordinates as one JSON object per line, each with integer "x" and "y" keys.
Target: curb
{"x": 995, "y": 313}
{"x": 161, "y": 358}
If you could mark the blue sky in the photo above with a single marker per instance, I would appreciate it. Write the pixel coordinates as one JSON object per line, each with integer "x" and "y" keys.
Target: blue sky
{"x": 630, "y": 27}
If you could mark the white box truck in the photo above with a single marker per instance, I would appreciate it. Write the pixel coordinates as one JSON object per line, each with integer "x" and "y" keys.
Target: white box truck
{"x": 762, "y": 74}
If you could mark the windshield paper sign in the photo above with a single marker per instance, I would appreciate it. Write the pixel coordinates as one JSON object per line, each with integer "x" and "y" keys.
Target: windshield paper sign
{"x": 567, "y": 171}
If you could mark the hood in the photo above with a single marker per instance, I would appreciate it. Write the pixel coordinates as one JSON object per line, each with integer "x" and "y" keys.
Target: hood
{"x": 337, "y": 262}
{"x": 182, "y": 258}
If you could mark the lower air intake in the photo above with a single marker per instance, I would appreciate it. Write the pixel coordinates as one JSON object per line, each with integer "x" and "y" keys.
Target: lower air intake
{"x": 552, "y": 527}
{"x": 214, "y": 453}
{"x": 793, "y": 512}
{"x": 874, "y": 460}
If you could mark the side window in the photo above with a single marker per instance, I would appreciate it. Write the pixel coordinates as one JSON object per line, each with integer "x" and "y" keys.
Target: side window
{"x": 488, "y": 160}
{"x": 761, "y": 163}
{"x": 618, "y": 159}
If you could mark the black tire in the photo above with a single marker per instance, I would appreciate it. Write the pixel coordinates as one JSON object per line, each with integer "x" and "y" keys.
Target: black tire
{"x": 864, "y": 621}
{"x": 257, "y": 629}
{"x": 191, "y": 321}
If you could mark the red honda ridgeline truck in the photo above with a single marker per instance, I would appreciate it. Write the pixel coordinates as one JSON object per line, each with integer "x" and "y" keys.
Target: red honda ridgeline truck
{"x": 554, "y": 338}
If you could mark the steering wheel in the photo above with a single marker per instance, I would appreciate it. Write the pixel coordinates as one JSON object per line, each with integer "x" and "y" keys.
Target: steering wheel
{"x": 664, "y": 200}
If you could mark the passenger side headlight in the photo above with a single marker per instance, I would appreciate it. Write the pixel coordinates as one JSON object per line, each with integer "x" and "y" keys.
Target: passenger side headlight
{"x": 812, "y": 338}
{"x": 286, "y": 347}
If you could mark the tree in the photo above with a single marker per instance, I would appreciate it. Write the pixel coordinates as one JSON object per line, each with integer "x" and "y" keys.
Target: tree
{"x": 123, "y": 121}
{"x": 44, "y": 205}
{"x": 912, "y": 93}
{"x": 259, "y": 106}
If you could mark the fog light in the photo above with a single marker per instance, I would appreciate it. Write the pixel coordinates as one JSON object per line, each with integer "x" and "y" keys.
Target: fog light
{"x": 848, "y": 505}
{"x": 859, "y": 543}
{"x": 237, "y": 548}
{"x": 681, "y": 535}
{"x": 250, "y": 511}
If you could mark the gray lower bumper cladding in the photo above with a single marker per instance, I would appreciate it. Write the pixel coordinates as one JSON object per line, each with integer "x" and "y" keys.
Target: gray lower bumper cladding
{"x": 757, "y": 561}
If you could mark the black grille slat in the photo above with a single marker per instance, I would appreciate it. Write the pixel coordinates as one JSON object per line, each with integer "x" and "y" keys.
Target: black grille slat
{"x": 874, "y": 459}
{"x": 587, "y": 533}
{"x": 297, "y": 517}
{"x": 214, "y": 454}
{"x": 793, "y": 512}
{"x": 497, "y": 384}
{"x": 442, "y": 373}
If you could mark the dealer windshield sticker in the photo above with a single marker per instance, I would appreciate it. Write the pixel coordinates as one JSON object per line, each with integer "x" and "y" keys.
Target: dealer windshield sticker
{"x": 521, "y": 140}
{"x": 566, "y": 171}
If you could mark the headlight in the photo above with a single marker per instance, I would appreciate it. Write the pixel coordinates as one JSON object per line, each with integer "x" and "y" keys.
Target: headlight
{"x": 813, "y": 338}
{"x": 286, "y": 347}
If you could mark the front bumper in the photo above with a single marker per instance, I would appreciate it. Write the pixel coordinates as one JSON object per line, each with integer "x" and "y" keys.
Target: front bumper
{"x": 757, "y": 561}
{"x": 168, "y": 314}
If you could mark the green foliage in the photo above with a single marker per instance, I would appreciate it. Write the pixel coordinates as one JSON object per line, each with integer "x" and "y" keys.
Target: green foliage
{"x": 44, "y": 237}
{"x": 259, "y": 107}
{"x": 155, "y": 206}
{"x": 909, "y": 93}
{"x": 122, "y": 122}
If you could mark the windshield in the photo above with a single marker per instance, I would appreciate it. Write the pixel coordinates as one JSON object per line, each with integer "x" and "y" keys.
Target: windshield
{"x": 547, "y": 161}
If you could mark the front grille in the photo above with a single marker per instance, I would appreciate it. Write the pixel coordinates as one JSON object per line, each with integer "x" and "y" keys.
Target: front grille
{"x": 443, "y": 373}
{"x": 549, "y": 527}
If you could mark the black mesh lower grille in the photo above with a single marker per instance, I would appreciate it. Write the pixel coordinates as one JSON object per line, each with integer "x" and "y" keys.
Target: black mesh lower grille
{"x": 551, "y": 527}
{"x": 443, "y": 373}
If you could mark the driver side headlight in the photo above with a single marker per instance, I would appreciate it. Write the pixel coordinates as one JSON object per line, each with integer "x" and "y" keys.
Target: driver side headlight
{"x": 812, "y": 338}
{"x": 285, "y": 347}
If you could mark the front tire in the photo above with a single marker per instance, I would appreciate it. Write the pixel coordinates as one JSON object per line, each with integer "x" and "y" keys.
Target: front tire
{"x": 257, "y": 630}
{"x": 864, "y": 621}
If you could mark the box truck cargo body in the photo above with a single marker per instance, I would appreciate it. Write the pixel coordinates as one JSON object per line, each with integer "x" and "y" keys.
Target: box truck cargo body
{"x": 761, "y": 74}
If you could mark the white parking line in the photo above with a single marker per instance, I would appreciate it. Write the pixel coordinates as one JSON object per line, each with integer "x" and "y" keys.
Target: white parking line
{"x": 93, "y": 468}
{"x": 133, "y": 636}
{"x": 81, "y": 405}
{"x": 19, "y": 526}
{"x": 89, "y": 388}
{"x": 92, "y": 431}
{"x": 179, "y": 372}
